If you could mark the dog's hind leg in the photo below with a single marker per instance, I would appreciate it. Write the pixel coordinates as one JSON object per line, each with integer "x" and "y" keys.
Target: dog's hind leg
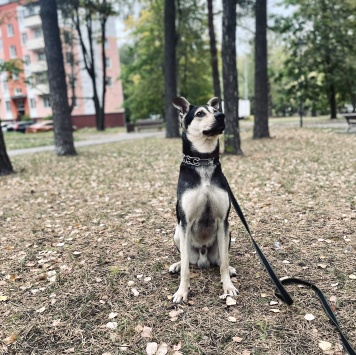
{"x": 214, "y": 258}
{"x": 223, "y": 245}
{"x": 175, "y": 268}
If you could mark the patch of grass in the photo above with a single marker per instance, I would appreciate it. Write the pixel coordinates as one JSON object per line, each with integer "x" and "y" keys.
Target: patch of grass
{"x": 115, "y": 204}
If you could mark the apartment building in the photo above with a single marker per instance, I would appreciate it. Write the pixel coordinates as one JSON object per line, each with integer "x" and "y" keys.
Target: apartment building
{"x": 27, "y": 94}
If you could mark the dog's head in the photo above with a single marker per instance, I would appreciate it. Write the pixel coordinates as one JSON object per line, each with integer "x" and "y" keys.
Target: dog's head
{"x": 198, "y": 121}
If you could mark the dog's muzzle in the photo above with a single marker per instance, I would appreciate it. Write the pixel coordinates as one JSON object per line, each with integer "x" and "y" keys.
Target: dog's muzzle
{"x": 218, "y": 127}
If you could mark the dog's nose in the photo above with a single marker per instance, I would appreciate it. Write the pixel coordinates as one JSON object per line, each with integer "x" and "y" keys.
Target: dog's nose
{"x": 219, "y": 116}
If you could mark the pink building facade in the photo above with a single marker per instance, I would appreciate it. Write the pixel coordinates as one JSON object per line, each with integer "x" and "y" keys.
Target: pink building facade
{"x": 27, "y": 94}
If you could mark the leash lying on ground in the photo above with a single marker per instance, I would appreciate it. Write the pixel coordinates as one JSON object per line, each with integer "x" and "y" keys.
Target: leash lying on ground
{"x": 281, "y": 292}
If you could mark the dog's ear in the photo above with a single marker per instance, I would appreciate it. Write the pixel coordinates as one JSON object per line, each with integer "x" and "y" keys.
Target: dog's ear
{"x": 214, "y": 102}
{"x": 181, "y": 104}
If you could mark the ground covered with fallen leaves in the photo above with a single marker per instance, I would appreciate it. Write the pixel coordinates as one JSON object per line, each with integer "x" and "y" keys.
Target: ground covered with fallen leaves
{"x": 85, "y": 244}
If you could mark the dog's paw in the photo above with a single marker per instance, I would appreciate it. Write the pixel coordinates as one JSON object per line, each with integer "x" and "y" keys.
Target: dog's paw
{"x": 230, "y": 289}
{"x": 174, "y": 268}
{"x": 232, "y": 271}
{"x": 180, "y": 295}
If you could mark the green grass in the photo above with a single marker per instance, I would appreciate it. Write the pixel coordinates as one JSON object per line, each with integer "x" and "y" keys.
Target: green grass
{"x": 16, "y": 140}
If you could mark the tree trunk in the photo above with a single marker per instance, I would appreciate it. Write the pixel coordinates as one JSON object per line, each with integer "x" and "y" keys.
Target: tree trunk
{"x": 332, "y": 98}
{"x": 103, "y": 58}
{"x": 230, "y": 84}
{"x": 5, "y": 163}
{"x": 170, "y": 71}
{"x": 213, "y": 51}
{"x": 260, "y": 127}
{"x": 63, "y": 131}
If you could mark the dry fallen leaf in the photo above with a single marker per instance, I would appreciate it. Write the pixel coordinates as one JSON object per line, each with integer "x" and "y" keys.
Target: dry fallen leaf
{"x": 10, "y": 339}
{"x": 274, "y": 310}
{"x": 309, "y": 316}
{"x": 41, "y": 310}
{"x": 111, "y": 325}
{"x": 322, "y": 266}
{"x": 230, "y": 301}
{"x": 112, "y": 315}
{"x": 151, "y": 348}
{"x": 273, "y": 303}
{"x": 237, "y": 339}
{"x": 332, "y": 299}
{"x": 325, "y": 345}
{"x": 3, "y": 298}
{"x": 162, "y": 349}
{"x": 146, "y": 332}
{"x": 138, "y": 328}
{"x": 174, "y": 314}
{"x": 232, "y": 319}
{"x": 352, "y": 277}
{"x": 135, "y": 292}
{"x": 177, "y": 347}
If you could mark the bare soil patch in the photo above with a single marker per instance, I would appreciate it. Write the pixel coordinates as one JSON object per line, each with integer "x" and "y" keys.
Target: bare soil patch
{"x": 77, "y": 235}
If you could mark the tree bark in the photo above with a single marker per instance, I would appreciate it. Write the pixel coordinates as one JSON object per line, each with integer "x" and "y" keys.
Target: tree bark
{"x": 5, "y": 163}
{"x": 63, "y": 131}
{"x": 213, "y": 51}
{"x": 260, "y": 127}
{"x": 230, "y": 84}
{"x": 170, "y": 69}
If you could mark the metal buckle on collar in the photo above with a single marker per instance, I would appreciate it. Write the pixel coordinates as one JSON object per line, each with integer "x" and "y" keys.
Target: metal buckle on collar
{"x": 195, "y": 161}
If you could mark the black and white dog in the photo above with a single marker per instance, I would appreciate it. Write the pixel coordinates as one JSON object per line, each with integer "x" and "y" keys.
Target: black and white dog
{"x": 203, "y": 206}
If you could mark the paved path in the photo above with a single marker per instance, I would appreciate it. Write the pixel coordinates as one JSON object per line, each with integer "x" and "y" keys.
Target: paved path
{"x": 102, "y": 139}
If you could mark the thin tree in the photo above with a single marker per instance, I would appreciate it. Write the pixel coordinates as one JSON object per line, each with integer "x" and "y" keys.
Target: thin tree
{"x": 12, "y": 66}
{"x": 170, "y": 69}
{"x": 63, "y": 131}
{"x": 213, "y": 51}
{"x": 5, "y": 163}
{"x": 260, "y": 127}
{"x": 230, "y": 84}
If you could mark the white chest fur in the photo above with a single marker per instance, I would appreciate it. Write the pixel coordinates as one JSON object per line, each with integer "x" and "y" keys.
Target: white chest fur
{"x": 204, "y": 206}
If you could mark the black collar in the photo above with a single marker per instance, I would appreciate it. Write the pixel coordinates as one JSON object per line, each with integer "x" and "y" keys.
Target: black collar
{"x": 195, "y": 161}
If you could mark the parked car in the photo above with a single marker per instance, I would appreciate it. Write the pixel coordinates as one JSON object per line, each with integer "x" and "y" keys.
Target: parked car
{"x": 19, "y": 126}
{"x": 4, "y": 126}
{"x": 43, "y": 126}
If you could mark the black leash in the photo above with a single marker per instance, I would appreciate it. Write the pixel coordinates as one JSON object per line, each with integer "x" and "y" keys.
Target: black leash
{"x": 281, "y": 292}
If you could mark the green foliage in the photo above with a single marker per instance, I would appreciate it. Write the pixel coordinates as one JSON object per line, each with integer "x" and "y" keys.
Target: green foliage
{"x": 143, "y": 60}
{"x": 320, "y": 51}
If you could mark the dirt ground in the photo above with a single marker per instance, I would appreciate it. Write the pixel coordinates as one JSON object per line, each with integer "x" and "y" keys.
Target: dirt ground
{"x": 85, "y": 244}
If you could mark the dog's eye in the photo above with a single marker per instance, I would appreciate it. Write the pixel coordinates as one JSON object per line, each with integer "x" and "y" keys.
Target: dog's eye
{"x": 200, "y": 114}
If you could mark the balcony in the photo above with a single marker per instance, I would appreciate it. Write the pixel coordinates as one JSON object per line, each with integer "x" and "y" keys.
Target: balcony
{"x": 35, "y": 44}
{"x": 32, "y": 21}
{"x": 38, "y": 67}
{"x": 41, "y": 89}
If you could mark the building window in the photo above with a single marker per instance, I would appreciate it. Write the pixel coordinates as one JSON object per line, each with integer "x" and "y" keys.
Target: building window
{"x": 109, "y": 81}
{"x": 10, "y": 30}
{"x": 15, "y": 76}
{"x": 8, "y": 106}
{"x": 18, "y": 91}
{"x": 41, "y": 56}
{"x": 72, "y": 80}
{"x": 32, "y": 103}
{"x": 38, "y": 32}
{"x": 107, "y": 62}
{"x": 6, "y": 87}
{"x": 46, "y": 101}
{"x": 24, "y": 38}
{"x": 75, "y": 102}
{"x": 13, "y": 52}
{"x": 107, "y": 44}
{"x": 26, "y": 59}
{"x": 1, "y": 44}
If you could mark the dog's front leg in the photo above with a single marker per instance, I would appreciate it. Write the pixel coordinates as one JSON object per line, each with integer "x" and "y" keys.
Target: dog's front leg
{"x": 223, "y": 245}
{"x": 182, "y": 293}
